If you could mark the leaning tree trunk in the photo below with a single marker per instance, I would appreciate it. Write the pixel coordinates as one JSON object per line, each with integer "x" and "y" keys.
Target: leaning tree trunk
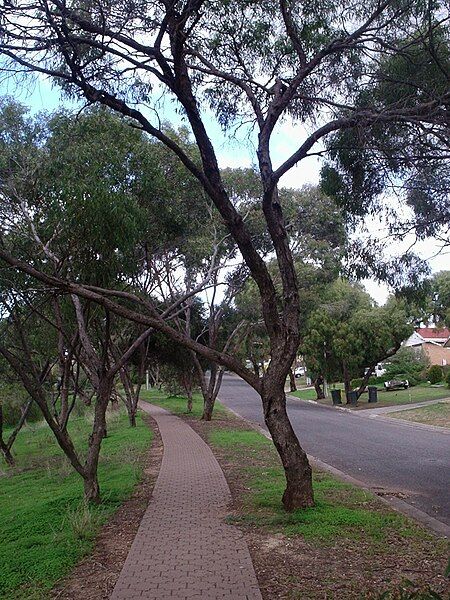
{"x": 6, "y": 453}
{"x": 320, "y": 394}
{"x": 299, "y": 491}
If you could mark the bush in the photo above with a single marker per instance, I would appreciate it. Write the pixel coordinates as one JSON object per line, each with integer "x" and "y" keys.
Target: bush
{"x": 435, "y": 374}
{"x": 447, "y": 379}
{"x": 12, "y": 398}
{"x": 407, "y": 364}
{"x": 355, "y": 383}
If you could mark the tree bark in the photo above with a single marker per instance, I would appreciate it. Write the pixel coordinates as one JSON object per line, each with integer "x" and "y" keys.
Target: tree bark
{"x": 92, "y": 489}
{"x": 132, "y": 418}
{"x": 91, "y": 486}
{"x": 320, "y": 394}
{"x": 292, "y": 384}
{"x": 298, "y": 492}
{"x": 347, "y": 385}
{"x": 3, "y": 447}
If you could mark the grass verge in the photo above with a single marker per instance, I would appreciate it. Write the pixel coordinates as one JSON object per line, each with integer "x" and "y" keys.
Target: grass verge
{"x": 45, "y": 526}
{"x": 178, "y": 404}
{"x": 418, "y": 393}
{"x": 435, "y": 414}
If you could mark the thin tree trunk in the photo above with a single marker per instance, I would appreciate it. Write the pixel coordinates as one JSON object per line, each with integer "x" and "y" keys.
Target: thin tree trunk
{"x": 292, "y": 384}
{"x": 25, "y": 411}
{"x": 91, "y": 486}
{"x": 298, "y": 492}
{"x": 347, "y": 385}
{"x": 3, "y": 447}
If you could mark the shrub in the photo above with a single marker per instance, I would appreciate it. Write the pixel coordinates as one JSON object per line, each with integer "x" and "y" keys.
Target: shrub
{"x": 407, "y": 364}
{"x": 435, "y": 374}
{"x": 447, "y": 379}
{"x": 12, "y": 398}
{"x": 355, "y": 383}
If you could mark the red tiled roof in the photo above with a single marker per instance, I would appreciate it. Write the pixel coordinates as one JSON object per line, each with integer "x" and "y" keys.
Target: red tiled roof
{"x": 433, "y": 333}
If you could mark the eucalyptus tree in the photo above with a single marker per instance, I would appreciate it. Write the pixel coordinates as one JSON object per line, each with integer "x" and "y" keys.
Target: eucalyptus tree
{"x": 325, "y": 66}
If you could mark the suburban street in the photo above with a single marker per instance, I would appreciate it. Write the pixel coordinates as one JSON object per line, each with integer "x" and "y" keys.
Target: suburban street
{"x": 392, "y": 457}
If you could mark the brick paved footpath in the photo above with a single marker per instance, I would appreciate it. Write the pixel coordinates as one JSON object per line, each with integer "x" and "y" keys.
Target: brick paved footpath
{"x": 183, "y": 549}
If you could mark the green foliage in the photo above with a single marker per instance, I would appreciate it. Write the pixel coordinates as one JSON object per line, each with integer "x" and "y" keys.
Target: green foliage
{"x": 346, "y": 334}
{"x": 435, "y": 374}
{"x": 12, "y": 399}
{"x": 46, "y": 527}
{"x": 99, "y": 193}
{"x": 363, "y": 161}
{"x": 439, "y": 298}
{"x": 447, "y": 379}
{"x": 408, "y": 363}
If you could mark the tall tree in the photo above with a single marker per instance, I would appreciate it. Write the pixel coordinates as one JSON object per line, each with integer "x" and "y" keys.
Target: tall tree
{"x": 249, "y": 61}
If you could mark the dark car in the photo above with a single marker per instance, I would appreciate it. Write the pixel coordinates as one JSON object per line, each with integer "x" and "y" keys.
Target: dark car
{"x": 396, "y": 384}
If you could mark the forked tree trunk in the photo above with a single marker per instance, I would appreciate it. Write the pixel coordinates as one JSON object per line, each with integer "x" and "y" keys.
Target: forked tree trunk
{"x": 299, "y": 491}
{"x": 6, "y": 453}
{"x": 320, "y": 394}
{"x": 92, "y": 489}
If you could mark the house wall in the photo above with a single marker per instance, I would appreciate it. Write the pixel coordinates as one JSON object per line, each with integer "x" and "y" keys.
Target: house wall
{"x": 438, "y": 355}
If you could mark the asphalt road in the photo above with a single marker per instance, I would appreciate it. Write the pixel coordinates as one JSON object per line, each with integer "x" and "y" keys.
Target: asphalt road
{"x": 392, "y": 457}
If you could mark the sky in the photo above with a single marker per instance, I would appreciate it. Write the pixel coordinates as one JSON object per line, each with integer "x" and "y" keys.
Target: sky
{"x": 238, "y": 151}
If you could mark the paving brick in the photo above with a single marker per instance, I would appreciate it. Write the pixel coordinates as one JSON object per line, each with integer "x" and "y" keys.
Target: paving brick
{"x": 182, "y": 549}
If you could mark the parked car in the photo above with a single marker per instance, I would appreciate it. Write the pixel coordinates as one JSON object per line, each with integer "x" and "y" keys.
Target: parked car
{"x": 378, "y": 371}
{"x": 299, "y": 372}
{"x": 396, "y": 384}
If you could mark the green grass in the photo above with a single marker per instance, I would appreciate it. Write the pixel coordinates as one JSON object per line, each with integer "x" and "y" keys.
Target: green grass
{"x": 342, "y": 511}
{"x": 178, "y": 404}
{"x": 418, "y": 393}
{"x": 45, "y": 527}
{"x": 435, "y": 414}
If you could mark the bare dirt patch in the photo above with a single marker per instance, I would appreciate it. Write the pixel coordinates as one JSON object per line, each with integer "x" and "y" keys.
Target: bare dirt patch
{"x": 95, "y": 577}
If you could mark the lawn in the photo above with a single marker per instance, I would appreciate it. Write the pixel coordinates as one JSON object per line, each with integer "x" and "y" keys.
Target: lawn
{"x": 45, "y": 527}
{"x": 435, "y": 414}
{"x": 178, "y": 404}
{"x": 418, "y": 393}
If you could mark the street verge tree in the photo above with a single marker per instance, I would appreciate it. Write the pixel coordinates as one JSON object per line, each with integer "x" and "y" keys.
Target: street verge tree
{"x": 259, "y": 62}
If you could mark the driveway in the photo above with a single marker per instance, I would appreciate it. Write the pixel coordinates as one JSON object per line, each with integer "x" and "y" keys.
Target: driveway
{"x": 389, "y": 456}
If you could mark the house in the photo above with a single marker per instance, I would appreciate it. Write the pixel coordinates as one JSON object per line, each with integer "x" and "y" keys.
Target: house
{"x": 434, "y": 342}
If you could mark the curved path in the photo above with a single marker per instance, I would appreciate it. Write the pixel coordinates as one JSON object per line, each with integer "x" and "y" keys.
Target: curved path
{"x": 182, "y": 548}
